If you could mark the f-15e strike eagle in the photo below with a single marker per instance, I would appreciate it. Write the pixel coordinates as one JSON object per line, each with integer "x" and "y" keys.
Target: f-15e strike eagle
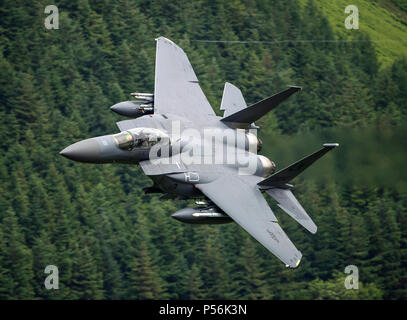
{"x": 189, "y": 152}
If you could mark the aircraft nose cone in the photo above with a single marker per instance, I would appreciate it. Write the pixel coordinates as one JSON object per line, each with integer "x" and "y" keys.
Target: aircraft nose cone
{"x": 84, "y": 151}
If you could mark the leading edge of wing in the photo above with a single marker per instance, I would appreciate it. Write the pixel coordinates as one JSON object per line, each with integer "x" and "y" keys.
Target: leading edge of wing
{"x": 243, "y": 202}
{"x": 177, "y": 90}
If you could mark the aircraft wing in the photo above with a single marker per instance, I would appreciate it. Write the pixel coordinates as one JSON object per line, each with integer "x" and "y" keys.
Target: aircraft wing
{"x": 240, "y": 198}
{"x": 177, "y": 90}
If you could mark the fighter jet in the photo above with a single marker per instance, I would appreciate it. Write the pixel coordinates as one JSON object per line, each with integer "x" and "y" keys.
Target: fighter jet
{"x": 191, "y": 153}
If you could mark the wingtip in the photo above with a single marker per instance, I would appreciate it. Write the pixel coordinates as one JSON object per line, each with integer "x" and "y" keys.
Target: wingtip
{"x": 161, "y": 38}
{"x": 294, "y": 266}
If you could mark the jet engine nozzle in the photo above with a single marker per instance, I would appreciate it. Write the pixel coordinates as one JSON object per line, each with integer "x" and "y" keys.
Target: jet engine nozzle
{"x": 265, "y": 166}
{"x": 253, "y": 142}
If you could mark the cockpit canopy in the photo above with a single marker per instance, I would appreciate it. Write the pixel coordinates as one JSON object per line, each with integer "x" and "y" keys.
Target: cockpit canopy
{"x": 140, "y": 138}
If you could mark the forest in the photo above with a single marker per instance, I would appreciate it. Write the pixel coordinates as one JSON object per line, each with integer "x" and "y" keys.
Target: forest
{"x": 109, "y": 240}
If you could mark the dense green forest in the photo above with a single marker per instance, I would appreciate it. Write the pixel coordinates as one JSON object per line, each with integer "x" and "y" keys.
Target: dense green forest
{"x": 110, "y": 240}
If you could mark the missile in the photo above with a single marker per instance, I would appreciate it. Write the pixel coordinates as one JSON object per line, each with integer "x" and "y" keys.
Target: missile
{"x": 143, "y": 96}
{"x": 201, "y": 202}
{"x": 201, "y": 215}
{"x": 133, "y": 109}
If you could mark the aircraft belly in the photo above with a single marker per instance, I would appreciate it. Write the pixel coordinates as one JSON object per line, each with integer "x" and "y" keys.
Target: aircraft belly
{"x": 175, "y": 187}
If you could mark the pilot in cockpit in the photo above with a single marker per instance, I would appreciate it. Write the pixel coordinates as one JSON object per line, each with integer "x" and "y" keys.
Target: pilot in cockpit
{"x": 140, "y": 138}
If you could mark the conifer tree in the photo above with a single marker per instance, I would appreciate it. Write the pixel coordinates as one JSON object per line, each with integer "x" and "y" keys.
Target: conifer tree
{"x": 17, "y": 260}
{"x": 250, "y": 279}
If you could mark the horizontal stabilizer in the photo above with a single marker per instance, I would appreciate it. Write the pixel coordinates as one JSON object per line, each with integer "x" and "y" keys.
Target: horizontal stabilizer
{"x": 282, "y": 177}
{"x": 287, "y": 201}
{"x": 259, "y": 109}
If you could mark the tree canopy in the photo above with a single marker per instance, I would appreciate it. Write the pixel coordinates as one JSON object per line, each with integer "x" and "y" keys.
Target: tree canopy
{"x": 110, "y": 240}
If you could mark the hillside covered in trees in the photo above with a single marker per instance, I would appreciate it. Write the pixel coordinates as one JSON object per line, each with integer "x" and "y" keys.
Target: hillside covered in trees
{"x": 111, "y": 241}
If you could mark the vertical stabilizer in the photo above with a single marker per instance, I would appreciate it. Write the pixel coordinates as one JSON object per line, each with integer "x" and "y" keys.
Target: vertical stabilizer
{"x": 232, "y": 100}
